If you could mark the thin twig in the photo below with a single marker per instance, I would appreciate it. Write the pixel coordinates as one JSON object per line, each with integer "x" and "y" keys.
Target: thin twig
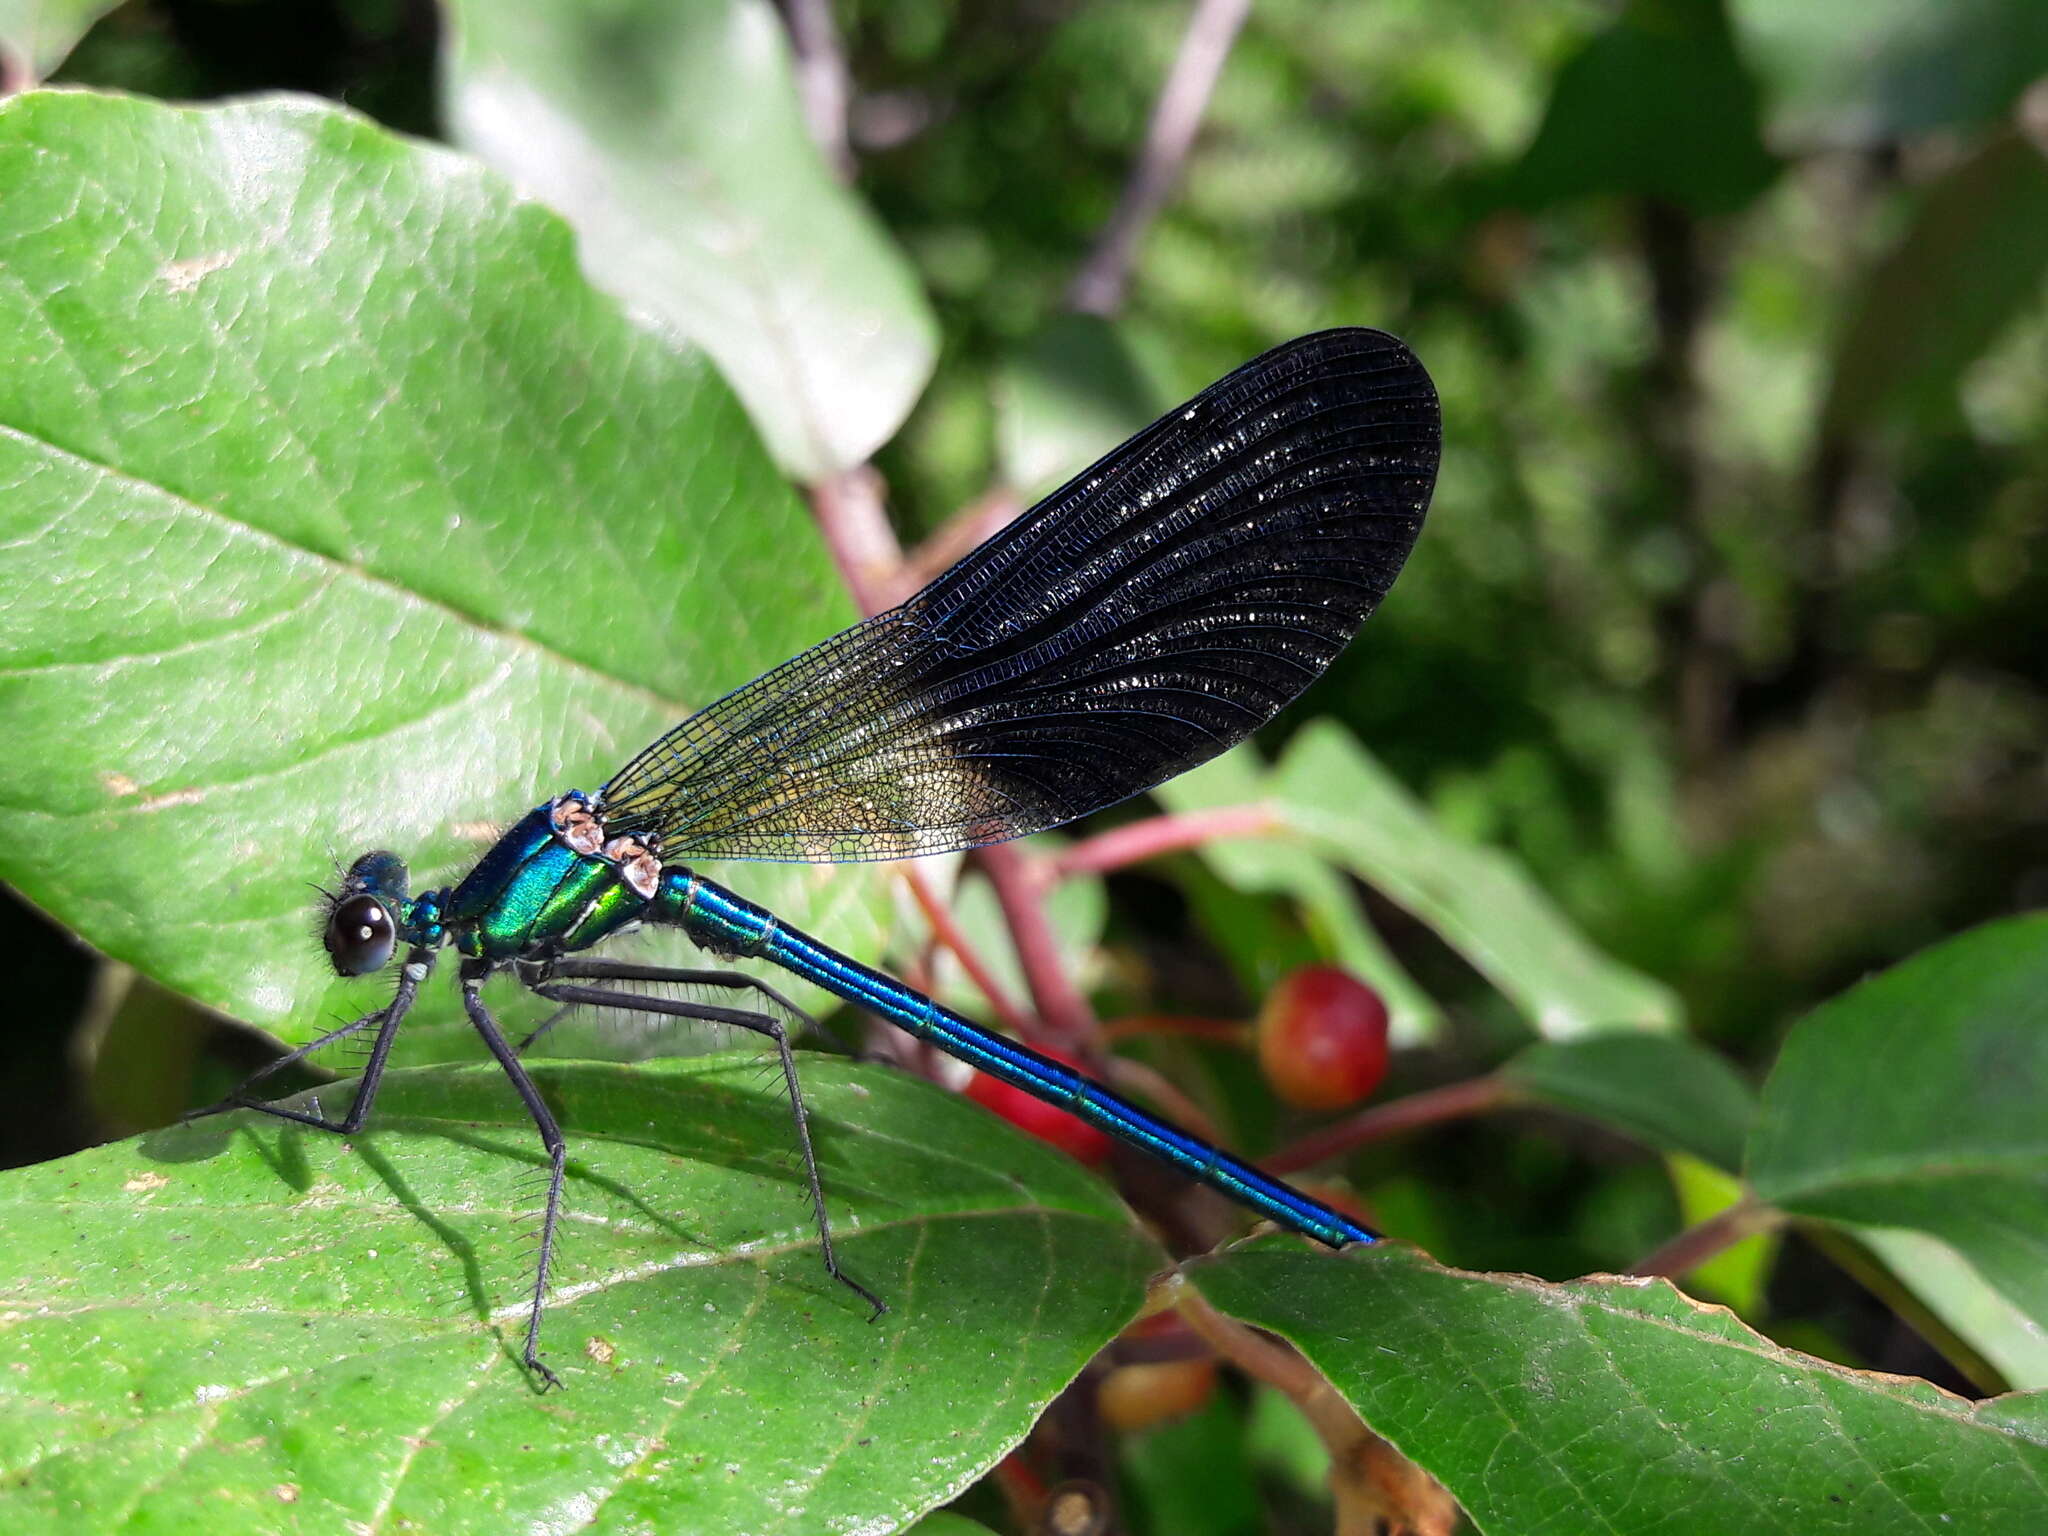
{"x": 1136, "y": 1025}
{"x": 1453, "y": 1101}
{"x": 1098, "y": 288}
{"x": 1020, "y": 892}
{"x": 1156, "y": 835}
{"x": 849, "y": 512}
{"x": 1702, "y": 1241}
{"x": 821, "y": 80}
{"x": 1258, "y": 1355}
{"x": 948, "y": 934}
{"x": 849, "y": 509}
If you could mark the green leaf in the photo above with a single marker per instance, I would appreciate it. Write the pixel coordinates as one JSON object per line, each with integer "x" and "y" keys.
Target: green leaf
{"x": 1193, "y": 1476}
{"x": 946, "y": 1523}
{"x": 672, "y": 138}
{"x": 36, "y": 34}
{"x": 1359, "y": 816}
{"x": 1281, "y": 1442}
{"x": 1350, "y": 812}
{"x": 1661, "y": 1089}
{"x": 1072, "y": 394}
{"x": 1658, "y": 106}
{"x": 2013, "y": 1343}
{"x": 1621, "y": 1405}
{"x": 346, "y": 515}
{"x": 1968, "y": 265}
{"x": 1862, "y": 73}
{"x": 236, "y": 1322}
{"x": 1914, "y": 1100}
{"x": 1284, "y": 866}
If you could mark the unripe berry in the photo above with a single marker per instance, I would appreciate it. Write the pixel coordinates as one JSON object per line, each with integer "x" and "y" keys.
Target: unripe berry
{"x": 1139, "y": 1396}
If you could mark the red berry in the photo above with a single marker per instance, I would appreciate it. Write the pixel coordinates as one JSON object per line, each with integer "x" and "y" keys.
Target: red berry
{"x": 1323, "y": 1038}
{"x": 1077, "y": 1138}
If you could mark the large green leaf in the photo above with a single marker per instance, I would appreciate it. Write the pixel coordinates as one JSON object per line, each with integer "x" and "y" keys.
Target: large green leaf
{"x": 1915, "y": 1100}
{"x": 1620, "y": 1405}
{"x": 1331, "y": 794}
{"x": 1657, "y": 105}
{"x": 1661, "y": 1089}
{"x": 671, "y": 137}
{"x": 343, "y": 513}
{"x": 237, "y": 1325}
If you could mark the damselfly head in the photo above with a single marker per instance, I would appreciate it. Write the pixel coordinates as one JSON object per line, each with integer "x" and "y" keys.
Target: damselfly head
{"x": 362, "y": 917}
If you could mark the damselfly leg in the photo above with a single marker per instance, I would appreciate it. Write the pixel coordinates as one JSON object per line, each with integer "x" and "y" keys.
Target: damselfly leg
{"x": 417, "y": 966}
{"x": 562, "y": 987}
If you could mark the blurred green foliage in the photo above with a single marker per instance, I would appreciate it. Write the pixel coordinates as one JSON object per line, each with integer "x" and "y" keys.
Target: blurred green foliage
{"x": 1731, "y": 620}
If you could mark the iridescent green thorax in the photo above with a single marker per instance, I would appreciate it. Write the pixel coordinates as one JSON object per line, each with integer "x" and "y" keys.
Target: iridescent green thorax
{"x": 533, "y": 891}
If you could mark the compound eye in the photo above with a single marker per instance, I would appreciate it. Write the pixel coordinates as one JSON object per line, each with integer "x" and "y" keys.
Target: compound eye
{"x": 359, "y": 936}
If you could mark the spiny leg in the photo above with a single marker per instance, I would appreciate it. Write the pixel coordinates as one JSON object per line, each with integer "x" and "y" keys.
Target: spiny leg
{"x": 760, "y": 1024}
{"x": 578, "y": 969}
{"x": 473, "y": 973}
{"x": 417, "y": 965}
{"x": 543, "y": 1027}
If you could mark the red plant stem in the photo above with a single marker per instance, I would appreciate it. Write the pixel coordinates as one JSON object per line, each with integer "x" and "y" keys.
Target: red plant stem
{"x": 1020, "y": 892}
{"x": 1453, "y": 1101}
{"x": 1156, "y": 835}
{"x": 948, "y": 934}
{"x": 850, "y": 516}
{"x": 1160, "y": 1339}
{"x": 1137, "y": 1025}
{"x": 1098, "y": 288}
{"x": 1703, "y": 1240}
{"x": 1021, "y": 1487}
{"x": 821, "y": 84}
